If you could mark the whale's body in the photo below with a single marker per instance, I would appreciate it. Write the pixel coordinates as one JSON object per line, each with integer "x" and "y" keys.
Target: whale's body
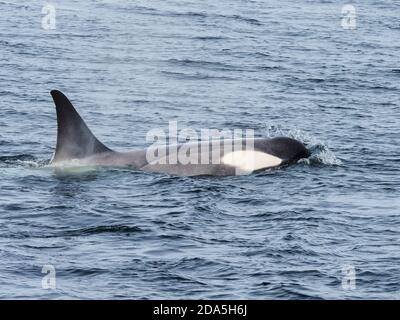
{"x": 77, "y": 146}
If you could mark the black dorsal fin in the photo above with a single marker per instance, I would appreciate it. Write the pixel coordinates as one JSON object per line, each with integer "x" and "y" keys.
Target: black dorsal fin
{"x": 74, "y": 138}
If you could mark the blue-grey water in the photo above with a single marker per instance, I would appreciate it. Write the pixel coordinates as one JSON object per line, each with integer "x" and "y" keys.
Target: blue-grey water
{"x": 279, "y": 67}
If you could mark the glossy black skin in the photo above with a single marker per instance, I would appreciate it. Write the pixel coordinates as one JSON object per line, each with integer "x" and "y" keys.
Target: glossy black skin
{"x": 287, "y": 149}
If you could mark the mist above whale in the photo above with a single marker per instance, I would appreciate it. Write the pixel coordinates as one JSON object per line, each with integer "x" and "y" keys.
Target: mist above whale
{"x": 78, "y": 146}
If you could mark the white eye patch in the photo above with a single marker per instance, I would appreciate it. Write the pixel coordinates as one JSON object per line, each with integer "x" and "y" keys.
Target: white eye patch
{"x": 247, "y": 161}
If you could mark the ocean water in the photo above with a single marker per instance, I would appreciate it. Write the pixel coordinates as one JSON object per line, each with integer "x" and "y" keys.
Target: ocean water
{"x": 324, "y": 228}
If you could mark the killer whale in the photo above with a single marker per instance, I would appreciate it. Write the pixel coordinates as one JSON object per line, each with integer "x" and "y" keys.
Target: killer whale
{"x": 78, "y": 146}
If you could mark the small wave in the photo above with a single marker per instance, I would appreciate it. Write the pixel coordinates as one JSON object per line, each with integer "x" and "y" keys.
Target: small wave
{"x": 320, "y": 153}
{"x": 245, "y": 19}
{"x": 212, "y": 65}
{"x": 205, "y": 38}
{"x": 118, "y": 229}
{"x": 23, "y": 160}
{"x": 83, "y": 272}
{"x": 316, "y": 80}
{"x": 190, "y": 262}
{"x": 196, "y": 76}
